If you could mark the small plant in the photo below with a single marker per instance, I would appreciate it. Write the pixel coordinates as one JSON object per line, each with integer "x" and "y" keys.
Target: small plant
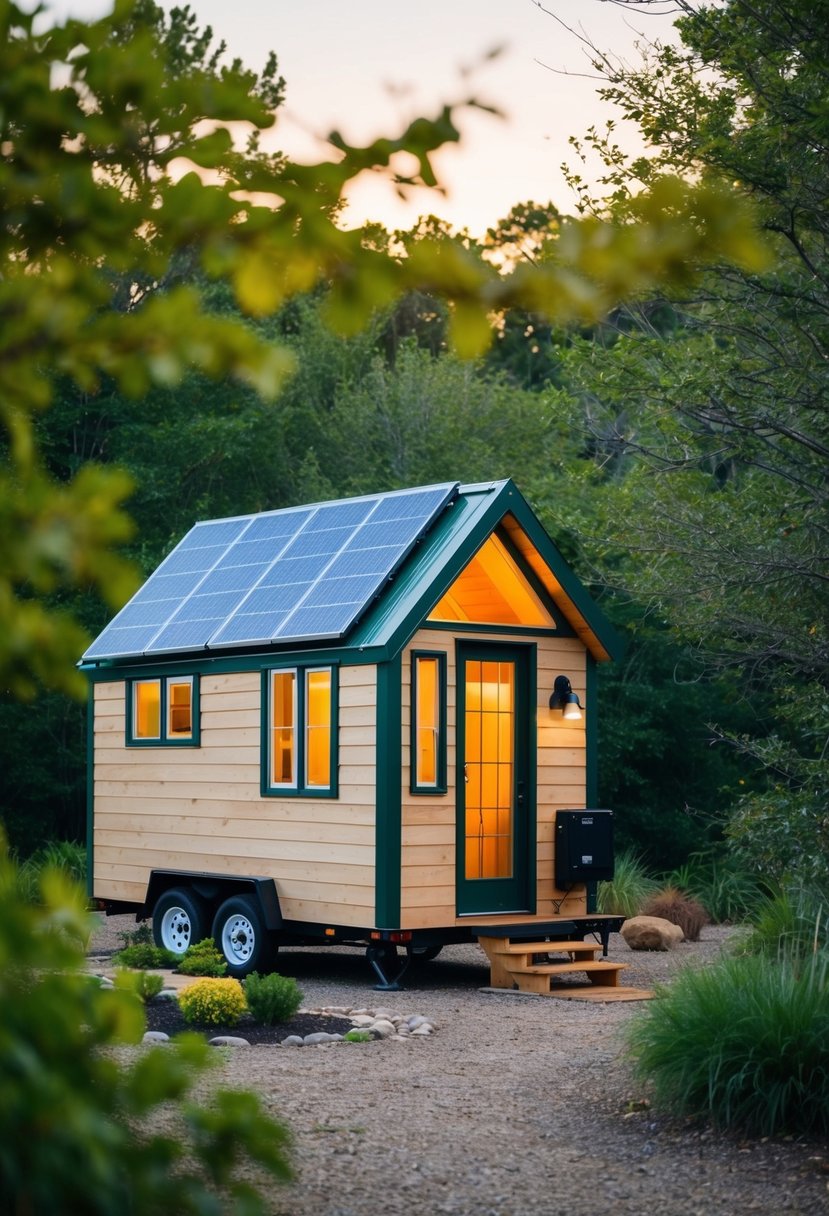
{"x": 680, "y": 909}
{"x": 144, "y": 984}
{"x": 142, "y": 936}
{"x": 272, "y": 998}
{"x": 202, "y": 958}
{"x": 630, "y": 886}
{"x": 724, "y": 888}
{"x": 744, "y": 1043}
{"x": 212, "y": 1002}
{"x": 793, "y": 923}
{"x": 357, "y": 1036}
{"x": 144, "y": 956}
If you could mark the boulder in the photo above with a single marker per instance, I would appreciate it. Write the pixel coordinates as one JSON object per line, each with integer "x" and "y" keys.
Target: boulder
{"x": 651, "y": 933}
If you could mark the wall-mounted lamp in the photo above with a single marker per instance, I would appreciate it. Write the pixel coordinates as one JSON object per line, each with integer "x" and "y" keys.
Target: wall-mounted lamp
{"x": 564, "y": 698}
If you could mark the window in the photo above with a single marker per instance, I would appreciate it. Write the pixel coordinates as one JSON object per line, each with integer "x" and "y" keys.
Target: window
{"x": 428, "y": 735}
{"x": 301, "y": 732}
{"x": 163, "y": 711}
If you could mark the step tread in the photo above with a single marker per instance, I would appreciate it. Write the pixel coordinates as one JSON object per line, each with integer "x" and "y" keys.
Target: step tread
{"x": 560, "y": 968}
{"x": 548, "y": 947}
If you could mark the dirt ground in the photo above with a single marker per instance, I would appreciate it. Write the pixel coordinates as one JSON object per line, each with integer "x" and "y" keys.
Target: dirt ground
{"x": 517, "y": 1105}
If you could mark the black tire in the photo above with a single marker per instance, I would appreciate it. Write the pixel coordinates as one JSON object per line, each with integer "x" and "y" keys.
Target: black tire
{"x": 425, "y": 954}
{"x": 180, "y": 919}
{"x": 241, "y": 937}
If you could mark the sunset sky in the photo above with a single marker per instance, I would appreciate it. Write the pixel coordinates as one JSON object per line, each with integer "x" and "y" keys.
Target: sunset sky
{"x": 367, "y": 67}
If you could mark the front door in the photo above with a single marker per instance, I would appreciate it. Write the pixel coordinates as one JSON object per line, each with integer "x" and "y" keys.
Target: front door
{"x": 496, "y": 788}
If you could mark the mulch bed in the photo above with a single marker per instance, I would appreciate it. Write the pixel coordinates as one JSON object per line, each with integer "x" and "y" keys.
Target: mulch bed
{"x": 166, "y": 1016}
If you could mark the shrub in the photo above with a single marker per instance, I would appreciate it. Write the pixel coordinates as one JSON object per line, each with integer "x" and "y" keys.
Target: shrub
{"x": 202, "y": 958}
{"x": 144, "y": 956}
{"x": 744, "y": 1043}
{"x": 144, "y": 984}
{"x": 793, "y": 923}
{"x": 628, "y": 889}
{"x": 272, "y": 998}
{"x": 68, "y": 1099}
{"x": 357, "y": 1036}
{"x": 213, "y": 1002}
{"x": 64, "y": 856}
{"x": 680, "y": 909}
{"x": 725, "y": 888}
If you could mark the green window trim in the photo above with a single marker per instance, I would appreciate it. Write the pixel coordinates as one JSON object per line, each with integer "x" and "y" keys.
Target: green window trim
{"x": 296, "y": 721}
{"x": 436, "y": 724}
{"x": 169, "y": 714}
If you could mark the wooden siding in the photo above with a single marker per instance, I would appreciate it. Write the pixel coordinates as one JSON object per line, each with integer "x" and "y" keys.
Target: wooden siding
{"x": 201, "y": 809}
{"x": 428, "y": 820}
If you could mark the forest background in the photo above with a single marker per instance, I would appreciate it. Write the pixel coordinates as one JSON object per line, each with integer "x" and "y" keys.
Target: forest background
{"x": 675, "y": 449}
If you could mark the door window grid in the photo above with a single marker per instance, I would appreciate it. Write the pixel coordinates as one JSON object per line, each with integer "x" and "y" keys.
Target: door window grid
{"x": 489, "y": 773}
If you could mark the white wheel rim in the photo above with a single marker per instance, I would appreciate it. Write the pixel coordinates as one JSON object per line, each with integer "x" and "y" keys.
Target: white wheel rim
{"x": 175, "y": 930}
{"x": 238, "y": 939}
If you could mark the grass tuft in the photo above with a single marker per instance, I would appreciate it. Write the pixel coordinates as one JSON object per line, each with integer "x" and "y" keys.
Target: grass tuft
{"x": 627, "y": 891}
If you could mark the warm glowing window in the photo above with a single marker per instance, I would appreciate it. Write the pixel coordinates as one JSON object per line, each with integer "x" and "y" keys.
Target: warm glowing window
{"x": 180, "y": 709}
{"x": 163, "y": 711}
{"x": 146, "y": 701}
{"x": 493, "y": 590}
{"x": 318, "y": 728}
{"x": 428, "y": 736}
{"x": 489, "y": 734}
{"x": 301, "y": 731}
{"x": 283, "y": 728}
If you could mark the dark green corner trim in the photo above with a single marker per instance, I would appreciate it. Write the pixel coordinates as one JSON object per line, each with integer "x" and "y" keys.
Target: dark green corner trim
{"x": 591, "y": 714}
{"x": 440, "y": 786}
{"x": 388, "y": 811}
{"x": 90, "y": 784}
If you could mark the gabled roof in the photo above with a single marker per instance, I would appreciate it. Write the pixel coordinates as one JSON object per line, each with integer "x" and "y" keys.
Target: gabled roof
{"x": 364, "y": 572}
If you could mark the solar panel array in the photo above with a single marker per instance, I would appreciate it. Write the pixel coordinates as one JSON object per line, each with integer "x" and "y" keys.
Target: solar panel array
{"x": 283, "y": 576}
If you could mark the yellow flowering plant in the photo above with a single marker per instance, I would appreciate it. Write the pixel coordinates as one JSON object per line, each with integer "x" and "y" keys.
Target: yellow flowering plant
{"x": 213, "y": 1002}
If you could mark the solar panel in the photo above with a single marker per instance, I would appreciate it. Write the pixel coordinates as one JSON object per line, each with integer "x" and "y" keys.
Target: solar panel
{"x": 299, "y": 574}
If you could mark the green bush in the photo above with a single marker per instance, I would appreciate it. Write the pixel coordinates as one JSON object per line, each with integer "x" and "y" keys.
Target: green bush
{"x": 64, "y": 856}
{"x": 68, "y": 1099}
{"x": 202, "y": 958}
{"x": 357, "y": 1036}
{"x": 272, "y": 998}
{"x": 793, "y": 923}
{"x": 145, "y": 956}
{"x": 744, "y": 1043}
{"x": 144, "y": 984}
{"x": 630, "y": 886}
{"x": 212, "y": 1002}
{"x": 674, "y": 905}
{"x": 726, "y": 889}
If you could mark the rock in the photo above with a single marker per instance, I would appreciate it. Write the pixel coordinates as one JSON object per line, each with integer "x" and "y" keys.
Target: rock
{"x": 651, "y": 933}
{"x": 155, "y": 1036}
{"x": 321, "y": 1036}
{"x": 293, "y": 1040}
{"x": 382, "y": 1028}
{"x": 105, "y": 982}
{"x": 361, "y": 1020}
{"x": 166, "y": 994}
{"x": 228, "y": 1040}
{"x": 422, "y": 1031}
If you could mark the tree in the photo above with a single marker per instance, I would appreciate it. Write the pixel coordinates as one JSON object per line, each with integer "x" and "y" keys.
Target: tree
{"x": 118, "y": 169}
{"x": 714, "y": 437}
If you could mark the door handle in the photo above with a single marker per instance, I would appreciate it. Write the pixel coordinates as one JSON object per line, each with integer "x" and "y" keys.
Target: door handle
{"x": 520, "y": 794}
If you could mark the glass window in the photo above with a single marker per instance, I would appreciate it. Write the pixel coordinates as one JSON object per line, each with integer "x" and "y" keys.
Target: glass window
{"x": 428, "y": 739}
{"x": 147, "y": 709}
{"x": 301, "y": 732}
{"x": 163, "y": 711}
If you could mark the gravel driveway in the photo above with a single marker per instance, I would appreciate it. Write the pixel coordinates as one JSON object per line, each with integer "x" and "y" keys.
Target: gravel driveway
{"x": 517, "y": 1105}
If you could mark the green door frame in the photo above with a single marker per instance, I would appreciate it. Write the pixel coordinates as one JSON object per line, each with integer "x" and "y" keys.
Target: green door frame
{"x": 481, "y": 896}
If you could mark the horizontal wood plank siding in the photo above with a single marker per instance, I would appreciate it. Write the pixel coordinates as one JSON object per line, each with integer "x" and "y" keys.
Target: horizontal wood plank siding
{"x": 200, "y": 809}
{"x": 428, "y": 821}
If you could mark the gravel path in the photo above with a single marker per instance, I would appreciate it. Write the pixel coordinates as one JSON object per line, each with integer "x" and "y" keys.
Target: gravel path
{"x": 518, "y": 1105}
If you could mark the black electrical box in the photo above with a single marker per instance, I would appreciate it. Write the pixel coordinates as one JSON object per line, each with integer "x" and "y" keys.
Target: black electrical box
{"x": 584, "y": 847}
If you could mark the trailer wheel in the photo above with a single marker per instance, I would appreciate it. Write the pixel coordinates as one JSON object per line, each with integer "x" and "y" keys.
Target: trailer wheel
{"x": 180, "y": 919}
{"x": 425, "y": 954}
{"x": 241, "y": 936}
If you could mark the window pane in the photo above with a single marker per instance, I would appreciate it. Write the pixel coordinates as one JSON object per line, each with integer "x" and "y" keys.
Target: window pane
{"x": 318, "y": 729}
{"x": 180, "y": 709}
{"x": 283, "y": 728}
{"x": 146, "y": 709}
{"x": 427, "y": 686}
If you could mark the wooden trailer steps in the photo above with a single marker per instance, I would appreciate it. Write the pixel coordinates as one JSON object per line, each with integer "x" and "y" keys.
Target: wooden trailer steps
{"x": 567, "y": 969}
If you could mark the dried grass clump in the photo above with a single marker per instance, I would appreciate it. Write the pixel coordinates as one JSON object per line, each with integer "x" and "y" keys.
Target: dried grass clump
{"x": 680, "y": 909}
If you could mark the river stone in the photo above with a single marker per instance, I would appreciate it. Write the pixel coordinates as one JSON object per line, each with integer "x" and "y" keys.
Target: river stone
{"x": 382, "y": 1027}
{"x": 155, "y": 1036}
{"x": 651, "y": 933}
{"x": 321, "y": 1036}
{"x": 228, "y": 1040}
{"x": 293, "y": 1040}
{"x": 422, "y": 1031}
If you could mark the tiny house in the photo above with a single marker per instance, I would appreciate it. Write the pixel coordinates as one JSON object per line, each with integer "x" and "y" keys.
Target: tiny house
{"x": 369, "y": 722}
